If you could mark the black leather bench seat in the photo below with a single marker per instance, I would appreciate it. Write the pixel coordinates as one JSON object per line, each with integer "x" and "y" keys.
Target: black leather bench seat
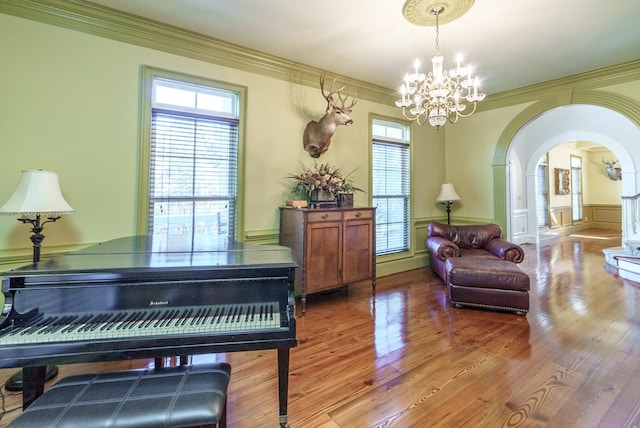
{"x": 182, "y": 396}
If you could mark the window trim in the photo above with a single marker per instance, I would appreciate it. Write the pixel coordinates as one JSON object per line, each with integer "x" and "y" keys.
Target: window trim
{"x": 544, "y": 160}
{"x": 573, "y": 193}
{"x": 147, "y": 75}
{"x": 410, "y": 252}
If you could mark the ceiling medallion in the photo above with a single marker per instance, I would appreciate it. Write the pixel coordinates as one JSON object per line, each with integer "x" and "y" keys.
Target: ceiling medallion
{"x": 418, "y": 12}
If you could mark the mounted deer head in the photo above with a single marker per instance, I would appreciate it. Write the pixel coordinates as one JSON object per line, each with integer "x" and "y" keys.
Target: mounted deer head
{"x": 317, "y": 135}
{"x": 613, "y": 172}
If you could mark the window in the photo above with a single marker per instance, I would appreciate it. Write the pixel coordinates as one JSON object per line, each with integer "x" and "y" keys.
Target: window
{"x": 576, "y": 187}
{"x": 391, "y": 183}
{"x": 192, "y": 176}
{"x": 542, "y": 192}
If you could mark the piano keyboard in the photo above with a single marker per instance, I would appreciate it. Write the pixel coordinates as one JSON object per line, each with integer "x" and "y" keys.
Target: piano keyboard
{"x": 232, "y": 318}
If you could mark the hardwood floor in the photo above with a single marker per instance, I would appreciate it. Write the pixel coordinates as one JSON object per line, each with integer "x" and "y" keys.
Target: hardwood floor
{"x": 407, "y": 359}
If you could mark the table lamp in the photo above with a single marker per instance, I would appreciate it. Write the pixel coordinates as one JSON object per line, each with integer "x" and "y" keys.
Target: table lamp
{"x": 446, "y": 197}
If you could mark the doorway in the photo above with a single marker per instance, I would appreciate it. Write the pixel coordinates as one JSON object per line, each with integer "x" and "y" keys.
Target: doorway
{"x": 569, "y": 123}
{"x": 588, "y": 199}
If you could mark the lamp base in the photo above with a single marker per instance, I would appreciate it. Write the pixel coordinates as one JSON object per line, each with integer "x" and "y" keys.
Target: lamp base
{"x": 14, "y": 383}
{"x": 448, "y": 205}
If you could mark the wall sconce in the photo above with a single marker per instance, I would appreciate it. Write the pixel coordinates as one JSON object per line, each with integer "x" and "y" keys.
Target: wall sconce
{"x": 447, "y": 197}
{"x": 37, "y": 195}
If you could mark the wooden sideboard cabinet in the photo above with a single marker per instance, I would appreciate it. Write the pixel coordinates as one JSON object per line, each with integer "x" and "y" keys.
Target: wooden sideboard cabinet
{"x": 332, "y": 246}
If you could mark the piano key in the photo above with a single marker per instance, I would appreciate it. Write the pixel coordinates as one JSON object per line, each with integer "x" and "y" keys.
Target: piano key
{"x": 198, "y": 318}
{"x": 141, "y": 323}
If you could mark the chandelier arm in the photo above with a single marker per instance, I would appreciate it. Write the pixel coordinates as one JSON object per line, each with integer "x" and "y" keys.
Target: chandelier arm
{"x": 409, "y": 117}
{"x": 470, "y": 113}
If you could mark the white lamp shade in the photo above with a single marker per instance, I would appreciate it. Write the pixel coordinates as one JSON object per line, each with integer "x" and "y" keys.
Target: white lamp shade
{"x": 447, "y": 193}
{"x": 38, "y": 192}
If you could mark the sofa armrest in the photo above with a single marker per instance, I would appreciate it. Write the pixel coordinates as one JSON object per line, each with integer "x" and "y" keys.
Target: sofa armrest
{"x": 442, "y": 248}
{"x": 505, "y": 250}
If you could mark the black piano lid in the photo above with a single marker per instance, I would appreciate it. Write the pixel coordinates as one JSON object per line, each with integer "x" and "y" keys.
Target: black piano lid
{"x": 161, "y": 253}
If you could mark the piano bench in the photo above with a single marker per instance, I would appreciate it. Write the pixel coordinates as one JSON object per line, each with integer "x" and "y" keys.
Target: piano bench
{"x": 181, "y": 396}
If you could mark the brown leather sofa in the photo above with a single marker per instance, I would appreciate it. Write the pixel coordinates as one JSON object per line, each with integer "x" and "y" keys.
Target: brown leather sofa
{"x": 478, "y": 266}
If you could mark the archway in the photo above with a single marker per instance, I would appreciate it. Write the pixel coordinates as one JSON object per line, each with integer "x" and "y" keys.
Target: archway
{"x": 610, "y": 120}
{"x": 556, "y": 126}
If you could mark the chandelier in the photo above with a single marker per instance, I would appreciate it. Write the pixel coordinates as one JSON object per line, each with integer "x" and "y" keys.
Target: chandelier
{"x": 441, "y": 95}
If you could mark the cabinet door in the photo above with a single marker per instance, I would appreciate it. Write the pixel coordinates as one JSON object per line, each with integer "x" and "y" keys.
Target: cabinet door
{"x": 323, "y": 256}
{"x": 357, "y": 250}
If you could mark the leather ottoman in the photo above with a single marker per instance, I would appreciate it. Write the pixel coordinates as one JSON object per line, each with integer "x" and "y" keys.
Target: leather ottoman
{"x": 487, "y": 283}
{"x": 182, "y": 396}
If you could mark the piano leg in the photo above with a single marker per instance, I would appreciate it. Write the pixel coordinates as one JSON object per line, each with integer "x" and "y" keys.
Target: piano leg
{"x": 32, "y": 384}
{"x": 160, "y": 362}
{"x": 283, "y": 385}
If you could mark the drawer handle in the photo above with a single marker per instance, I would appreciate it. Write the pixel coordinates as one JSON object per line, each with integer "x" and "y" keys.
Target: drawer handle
{"x": 325, "y": 216}
{"x": 358, "y": 214}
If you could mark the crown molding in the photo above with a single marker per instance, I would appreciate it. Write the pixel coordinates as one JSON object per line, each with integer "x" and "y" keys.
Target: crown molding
{"x": 590, "y": 80}
{"x": 87, "y": 17}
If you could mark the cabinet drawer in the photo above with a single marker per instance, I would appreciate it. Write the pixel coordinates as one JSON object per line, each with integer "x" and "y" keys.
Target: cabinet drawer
{"x": 358, "y": 214}
{"x": 324, "y": 216}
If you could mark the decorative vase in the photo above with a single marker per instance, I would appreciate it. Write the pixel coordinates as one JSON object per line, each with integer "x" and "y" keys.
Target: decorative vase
{"x": 322, "y": 198}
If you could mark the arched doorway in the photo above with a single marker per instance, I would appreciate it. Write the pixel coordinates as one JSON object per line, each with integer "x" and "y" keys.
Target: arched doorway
{"x": 557, "y": 126}
{"x": 608, "y": 119}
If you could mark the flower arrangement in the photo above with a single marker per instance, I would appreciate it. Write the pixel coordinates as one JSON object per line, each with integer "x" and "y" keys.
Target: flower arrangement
{"x": 322, "y": 177}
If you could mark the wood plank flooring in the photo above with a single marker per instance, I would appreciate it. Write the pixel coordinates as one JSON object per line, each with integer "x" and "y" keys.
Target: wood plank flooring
{"x": 407, "y": 359}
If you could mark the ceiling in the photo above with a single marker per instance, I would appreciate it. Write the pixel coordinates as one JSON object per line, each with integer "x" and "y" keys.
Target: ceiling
{"x": 510, "y": 43}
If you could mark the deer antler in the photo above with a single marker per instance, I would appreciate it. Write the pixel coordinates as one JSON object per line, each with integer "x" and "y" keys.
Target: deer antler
{"x": 342, "y": 100}
{"x": 609, "y": 163}
{"x": 329, "y": 96}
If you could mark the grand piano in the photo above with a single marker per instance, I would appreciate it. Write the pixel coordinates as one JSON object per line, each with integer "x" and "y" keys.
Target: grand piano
{"x": 148, "y": 297}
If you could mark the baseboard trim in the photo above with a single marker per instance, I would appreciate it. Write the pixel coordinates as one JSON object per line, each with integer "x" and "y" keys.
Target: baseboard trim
{"x": 401, "y": 265}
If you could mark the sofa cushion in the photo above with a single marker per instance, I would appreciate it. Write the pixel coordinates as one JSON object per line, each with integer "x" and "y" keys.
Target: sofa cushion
{"x": 466, "y": 236}
{"x": 486, "y": 273}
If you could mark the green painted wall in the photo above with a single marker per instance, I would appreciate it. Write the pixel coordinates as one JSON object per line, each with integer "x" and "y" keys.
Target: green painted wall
{"x": 470, "y": 145}
{"x": 599, "y": 188}
{"x": 71, "y": 104}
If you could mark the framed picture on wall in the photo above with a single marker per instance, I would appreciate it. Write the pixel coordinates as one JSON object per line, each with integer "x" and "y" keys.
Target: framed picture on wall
{"x": 562, "y": 181}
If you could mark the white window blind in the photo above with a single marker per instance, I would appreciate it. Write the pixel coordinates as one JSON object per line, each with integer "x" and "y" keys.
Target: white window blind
{"x": 391, "y": 184}
{"x": 193, "y": 165}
